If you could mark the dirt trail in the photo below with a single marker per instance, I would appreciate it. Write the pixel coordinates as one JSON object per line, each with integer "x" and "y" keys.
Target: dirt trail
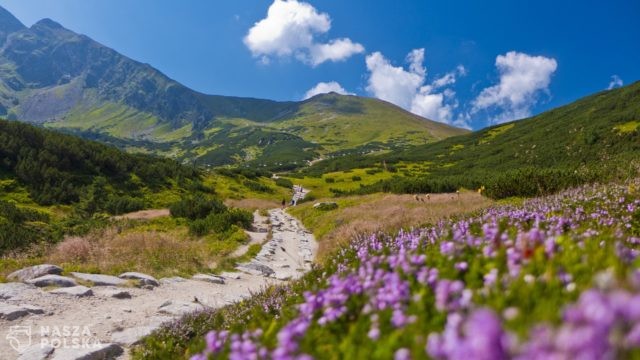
{"x": 145, "y": 214}
{"x": 288, "y": 254}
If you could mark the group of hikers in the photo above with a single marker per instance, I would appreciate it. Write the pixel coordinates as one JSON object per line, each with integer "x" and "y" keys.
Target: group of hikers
{"x": 298, "y": 193}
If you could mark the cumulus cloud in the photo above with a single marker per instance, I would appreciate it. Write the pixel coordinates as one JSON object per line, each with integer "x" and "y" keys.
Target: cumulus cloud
{"x": 290, "y": 29}
{"x": 615, "y": 82}
{"x": 522, "y": 78}
{"x": 408, "y": 89}
{"x": 326, "y": 87}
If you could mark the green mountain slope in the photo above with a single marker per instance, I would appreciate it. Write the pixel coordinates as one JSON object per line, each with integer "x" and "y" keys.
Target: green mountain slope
{"x": 52, "y": 76}
{"x": 600, "y": 131}
{"x": 53, "y": 184}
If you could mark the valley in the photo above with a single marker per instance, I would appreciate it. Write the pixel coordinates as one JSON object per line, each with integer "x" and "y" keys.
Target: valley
{"x": 416, "y": 210}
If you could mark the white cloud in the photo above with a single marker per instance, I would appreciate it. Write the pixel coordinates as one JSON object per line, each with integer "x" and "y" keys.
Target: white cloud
{"x": 407, "y": 89}
{"x": 290, "y": 29}
{"x": 522, "y": 78}
{"x": 326, "y": 87}
{"x": 335, "y": 50}
{"x": 615, "y": 82}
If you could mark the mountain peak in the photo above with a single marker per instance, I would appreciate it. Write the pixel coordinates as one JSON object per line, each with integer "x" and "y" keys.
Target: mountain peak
{"x": 48, "y": 23}
{"x": 8, "y": 24}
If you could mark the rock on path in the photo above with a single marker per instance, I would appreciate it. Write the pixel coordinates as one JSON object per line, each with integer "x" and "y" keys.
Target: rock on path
{"x": 34, "y": 272}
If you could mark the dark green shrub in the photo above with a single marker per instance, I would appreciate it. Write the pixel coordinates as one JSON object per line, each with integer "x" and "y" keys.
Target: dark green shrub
{"x": 195, "y": 207}
{"x": 285, "y": 183}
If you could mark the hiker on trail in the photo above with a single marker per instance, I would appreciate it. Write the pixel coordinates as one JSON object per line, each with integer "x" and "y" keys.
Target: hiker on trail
{"x": 284, "y": 203}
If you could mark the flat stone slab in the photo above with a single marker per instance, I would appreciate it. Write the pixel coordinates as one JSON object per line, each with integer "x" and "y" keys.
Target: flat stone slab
{"x": 37, "y": 352}
{"x": 143, "y": 278}
{"x": 79, "y": 291}
{"x": 98, "y": 352}
{"x": 178, "y": 308}
{"x": 231, "y": 275}
{"x": 12, "y": 312}
{"x": 15, "y": 290}
{"x": 256, "y": 269}
{"x": 112, "y": 292}
{"x": 53, "y": 280}
{"x": 99, "y": 279}
{"x": 209, "y": 278}
{"x": 132, "y": 336}
{"x": 33, "y": 272}
{"x": 172, "y": 280}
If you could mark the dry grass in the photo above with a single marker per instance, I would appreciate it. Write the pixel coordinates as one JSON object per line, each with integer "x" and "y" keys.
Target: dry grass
{"x": 373, "y": 213}
{"x": 158, "y": 253}
{"x": 253, "y": 204}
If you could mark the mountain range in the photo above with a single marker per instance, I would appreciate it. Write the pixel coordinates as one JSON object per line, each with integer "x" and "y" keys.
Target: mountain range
{"x": 56, "y": 78}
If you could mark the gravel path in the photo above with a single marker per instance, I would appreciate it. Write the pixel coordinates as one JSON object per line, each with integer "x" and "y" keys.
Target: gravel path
{"x": 123, "y": 321}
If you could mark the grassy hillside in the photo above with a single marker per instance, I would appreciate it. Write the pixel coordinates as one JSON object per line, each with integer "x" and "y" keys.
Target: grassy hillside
{"x": 554, "y": 277}
{"x": 592, "y": 137}
{"x": 338, "y": 122}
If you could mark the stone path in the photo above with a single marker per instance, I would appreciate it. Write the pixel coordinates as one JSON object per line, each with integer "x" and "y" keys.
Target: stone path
{"x": 89, "y": 316}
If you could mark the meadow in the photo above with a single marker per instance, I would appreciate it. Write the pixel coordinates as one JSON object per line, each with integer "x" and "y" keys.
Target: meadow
{"x": 555, "y": 276}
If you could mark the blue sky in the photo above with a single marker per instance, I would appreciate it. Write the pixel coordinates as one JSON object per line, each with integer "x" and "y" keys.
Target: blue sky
{"x": 483, "y": 62}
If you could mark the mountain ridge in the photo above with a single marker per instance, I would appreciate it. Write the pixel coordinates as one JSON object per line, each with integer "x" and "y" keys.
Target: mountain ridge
{"x": 52, "y": 76}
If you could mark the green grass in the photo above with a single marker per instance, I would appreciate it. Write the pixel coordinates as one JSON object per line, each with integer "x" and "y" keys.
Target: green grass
{"x": 626, "y": 128}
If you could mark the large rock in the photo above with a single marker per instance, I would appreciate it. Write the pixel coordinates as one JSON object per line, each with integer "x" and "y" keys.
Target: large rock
{"x": 144, "y": 279}
{"x": 172, "y": 280}
{"x": 15, "y": 290}
{"x": 132, "y": 336}
{"x": 12, "y": 312}
{"x": 112, "y": 292}
{"x": 37, "y": 352}
{"x": 99, "y": 279}
{"x": 97, "y": 352}
{"x": 178, "y": 308}
{"x": 256, "y": 268}
{"x": 79, "y": 291}
{"x": 231, "y": 275}
{"x": 53, "y": 280}
{"x": 209, "y": 278}
{"x": 34, "y": 272}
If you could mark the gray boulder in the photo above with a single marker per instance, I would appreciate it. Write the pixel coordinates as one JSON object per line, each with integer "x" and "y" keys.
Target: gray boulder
{"x": 52, "y": 280}
{"x": 112, "y": 292}
{"x": 34, "y": 272}
{"x": 144, "y": 279}
{"x": 256, "y": 268}
{"x": 209, "y": 278}
{"x": 178, "y": 308}
{"x": 12, "y": 312}
{"x": 172, "y": 280}
{"x": 15, "y": 290}
{"x": 132, "y": 336}
{"x": 79, "y": 291}
{"x": 37, "y": 352}
{"x": 97, "y": 352}
{"x": 99, "y": 279}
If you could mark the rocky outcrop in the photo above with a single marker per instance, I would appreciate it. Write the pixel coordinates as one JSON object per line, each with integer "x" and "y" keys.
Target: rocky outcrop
{"x": 53, "y": 280}
{"x": 34, "y": 272}
{"x": 99, "y": 279}
{"x": 143, "y": 279}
